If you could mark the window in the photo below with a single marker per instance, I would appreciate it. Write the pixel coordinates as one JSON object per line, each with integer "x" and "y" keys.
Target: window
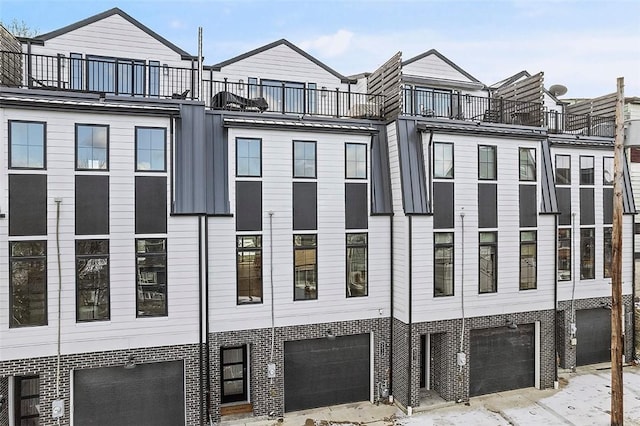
{"x": 564, "y": 254}
{"x": 75, "y": 71}
{"x": 275, "y": 91}
{"x": 248, "y": 157}
{"x": 311, "y": 98}
{"x": 488, "y": 267}
{"x": 428, "y": 102}
{"x": 234, "y": 374}
{"x": 154, "y": 78}
{"x": 249, "y": 269}
{"x": 27, "y": 400}
{"x": 587, "y": 253}
{"x": 305, "y": 269}
{"x": 92, "y": 280}
{"x": 528, "y": 260}
{"x": 607, "y": 171}
{"x": 28, "y": 283}
{"x": 115, "y": 75}
{"x": 527, "y": 164}
{"x": 443, "y": 160}
{"x": 608, "y": 252}
{"x": 252, "y": 82}
{"x": 150, "y": 149}
{"x": 151, "y": 275}
{"x": 487, "y": 162}
{"x": 443, "y": 264}
{"x": 92, "y": 147}
{"x": 304, "y": 159}
{"x": 27, "y": 145}
{"x": 357, "y": 265}
{"x": 586, "y": 170}
{"x": 356, "y": 161}
{"x": 563, "y": 169}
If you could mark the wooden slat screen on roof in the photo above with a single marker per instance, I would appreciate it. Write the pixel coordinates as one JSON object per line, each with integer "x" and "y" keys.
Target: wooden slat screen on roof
{"x": 519, "y": 97}
{"x": 10, "y": 59}
{"x": 386, "y": 81}
{"x": 602, "y": 106}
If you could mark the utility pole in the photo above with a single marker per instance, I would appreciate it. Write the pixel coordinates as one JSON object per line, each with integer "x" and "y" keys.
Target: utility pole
{"x": 617, "y": 413}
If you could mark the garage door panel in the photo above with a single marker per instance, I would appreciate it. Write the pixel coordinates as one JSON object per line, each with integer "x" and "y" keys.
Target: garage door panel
{"x": 502, "y": 359}
{"x": 593, "y": 335}
{"x": 321, "y": 372}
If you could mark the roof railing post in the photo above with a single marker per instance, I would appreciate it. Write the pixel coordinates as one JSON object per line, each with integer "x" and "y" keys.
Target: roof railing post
{"x": 337, "y": 102}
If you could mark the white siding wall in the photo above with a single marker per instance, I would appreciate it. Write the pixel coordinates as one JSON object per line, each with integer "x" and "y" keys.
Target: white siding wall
{"x": 434, "y": 67}
{"x": 123, "y": 330}
{"x": 332, "y": 303}
{"x": 508, "y": 297}
{"x": 600, "y": 286}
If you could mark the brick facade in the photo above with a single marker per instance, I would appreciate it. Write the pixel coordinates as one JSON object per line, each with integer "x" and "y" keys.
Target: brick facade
{"x": 45, "y": 367}
{"x": 567, "y": 352}
{"x": 267, "y": 395}
{"x": 4, "y": 393}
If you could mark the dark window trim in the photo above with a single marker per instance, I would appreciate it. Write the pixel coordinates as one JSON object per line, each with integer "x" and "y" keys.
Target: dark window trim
{"x": 164, "y": 129}
{"x": 116, "y": 61}
{"x": 315, "y": 159}
{"x": 346, "y": 257}
{"x": 18, "y": 417}
{"x": 294, "y": 265}
{"x": 453, "y": 262}
{"x": 166, "y": 272}
{"x": 535, "y": 164}
{"x": 593, "y": 251}
{"x": 528, "y": 243}
{"x": 241, "y": 249}
{"x": 495, "y": 275}
{"x": 75, "y": 264}
{"x": 106, "y": 169}
{"x": 46, "y": 283}
{"x": 593, "y": 164}
{"x": 236, "y": 155}
{"x": 571, "y": 237}
{"x": 453, "y": 161}
{"x": 556, "y": 169}
{"x": 366, "y": 161}
{"x": 223, "y": 398}
{"x": 495, "y": 162}
{"x": 44, "y": 145}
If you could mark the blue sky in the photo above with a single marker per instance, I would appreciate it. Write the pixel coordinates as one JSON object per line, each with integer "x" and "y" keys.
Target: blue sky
{"x": 584, "y": 44}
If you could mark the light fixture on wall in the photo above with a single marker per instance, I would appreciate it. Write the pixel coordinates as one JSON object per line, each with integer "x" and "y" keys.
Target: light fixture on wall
{"x": 165, "y": 69}
{"x": 130, "y": 363}
{"x": 241, "y": 85}
{"x": 323, "y": 92}
{"x": 330, "y": 335}
{"x": 510, "y": 324}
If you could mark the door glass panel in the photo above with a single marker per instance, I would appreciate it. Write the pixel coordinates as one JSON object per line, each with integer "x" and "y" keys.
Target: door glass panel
{"x": 233, "y": 388}
{"x": 232, "y": 355}
{"x": 233, "y": 372}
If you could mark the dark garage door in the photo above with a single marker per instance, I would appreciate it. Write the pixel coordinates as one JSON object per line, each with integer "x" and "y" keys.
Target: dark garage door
{"x": 321, "y": 372}
{"x": 502, "y": 359}
{"x": 147, "y": 395}
{"x": 594, "y": 336}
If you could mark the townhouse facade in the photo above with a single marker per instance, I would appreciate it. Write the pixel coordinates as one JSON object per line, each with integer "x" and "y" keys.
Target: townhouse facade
{"x": 184, "y": 241}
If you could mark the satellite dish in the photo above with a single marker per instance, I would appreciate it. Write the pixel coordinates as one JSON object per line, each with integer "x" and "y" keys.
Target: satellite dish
{"x": 558, "y": 90}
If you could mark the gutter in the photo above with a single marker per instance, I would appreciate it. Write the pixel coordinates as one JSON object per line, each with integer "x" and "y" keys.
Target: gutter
{"x": 410, "y": 333}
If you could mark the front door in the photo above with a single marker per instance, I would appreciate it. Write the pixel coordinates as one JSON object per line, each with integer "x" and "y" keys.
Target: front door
{"x": 234, "y": 374}
{"x": 27, "y": 400}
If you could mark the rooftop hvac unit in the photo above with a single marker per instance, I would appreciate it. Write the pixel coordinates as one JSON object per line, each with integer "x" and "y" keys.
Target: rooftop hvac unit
{"x": 632, "y": 133}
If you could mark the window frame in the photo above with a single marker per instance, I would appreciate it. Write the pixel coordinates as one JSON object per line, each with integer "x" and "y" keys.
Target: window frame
{"x": 570, "y": 247}
{"x": 315, "y": 160}
{"x": 164, "y": 148}
{"x": 527, "y": 164}
{"x": 493, "y": 244}
{"x": 452, "y": 257}
{"x": 239, "y": 250}
{"x": 78, "y": 257}
{"x": 593, "y": 170}
{"x": 528, "y": 243}
{"x": 346, "y": 161}
{"x": 435, "y": 160}
{"x": 259, "y": 140}
{"x": 583, "y": 252}
{"x": 30, "y": 258}
{"x": 139, "y": 254}
{"x": 349, "y": 245}
{"x": 44, "y": 145}
{"x": 313, "y": 293}
{"x": 90, "y": 169}
{"x": 494, "y": 150}
{"x": 563, "y": 157}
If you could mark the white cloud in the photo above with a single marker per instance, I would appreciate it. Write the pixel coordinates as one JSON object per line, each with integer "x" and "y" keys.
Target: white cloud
{"x": 177, "y": 24}
{"x": 331, "y": 45}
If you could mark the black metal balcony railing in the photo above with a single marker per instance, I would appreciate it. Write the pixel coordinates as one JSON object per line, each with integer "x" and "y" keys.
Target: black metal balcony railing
{"x": 580, "y": 124}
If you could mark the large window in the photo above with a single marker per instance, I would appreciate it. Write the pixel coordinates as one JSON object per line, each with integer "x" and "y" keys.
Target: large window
{"x": 443, "y": 160}
{"x": 305, "y": 267}
{"x": 28, "y": 283}
{"x": 487, "y": 162}
{"x": 607, "y": 171}
{"x": 563, "y": 169}
{"x": 527, "y": 164}
{"x": 92, "y": 147}
{"x": 248, "y": 157}
{"x": 528, "y": 260}
{"x": 443, "y": 264}
{"x": 564, "y": 254}
{"x": 355, "y": 161}
{"x": 357, "y": 265}
{"x": 428, "y": 102}
{"x": 150, "y": 149}
{"x": 608, "y": 251}
{"x": 92, "y": 280}
{"x": 115, "y": 75}
{"x": 586, "y": 170}
{"x": 27, "y": 145}
{"x": 249, "y": 268}
{"x": 304, "y": 159}
{"x": 488, "y": 267}
{"x": 587, "y": 253}
{"x": 284, "y": 96}
{"x": 151, "y": 275}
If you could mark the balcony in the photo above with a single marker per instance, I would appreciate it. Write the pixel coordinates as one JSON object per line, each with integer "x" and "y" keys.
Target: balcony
{"x": 125, "y": 77}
